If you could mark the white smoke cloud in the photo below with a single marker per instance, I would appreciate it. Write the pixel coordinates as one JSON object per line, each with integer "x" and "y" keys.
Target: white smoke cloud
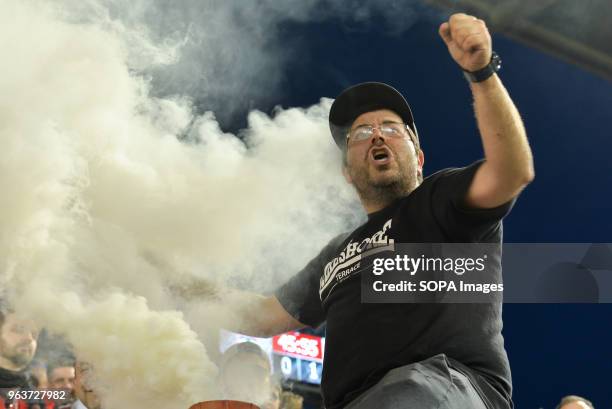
{"x": 111, "y": 196}
{"x": 243, "y": 43}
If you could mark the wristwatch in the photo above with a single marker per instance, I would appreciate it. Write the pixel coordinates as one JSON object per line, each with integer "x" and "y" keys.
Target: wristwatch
{"x": 482, "y": 74}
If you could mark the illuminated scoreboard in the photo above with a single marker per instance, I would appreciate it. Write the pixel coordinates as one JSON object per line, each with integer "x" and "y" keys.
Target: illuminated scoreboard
{"x": 298, "y": 357}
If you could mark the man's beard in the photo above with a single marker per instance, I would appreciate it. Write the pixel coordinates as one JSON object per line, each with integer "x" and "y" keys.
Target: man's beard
{"x": 19, "y": 359}
{"x": 385, "y": 192}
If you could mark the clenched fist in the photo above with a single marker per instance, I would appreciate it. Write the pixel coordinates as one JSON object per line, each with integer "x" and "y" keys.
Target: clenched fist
{"x": 468, "y": 41}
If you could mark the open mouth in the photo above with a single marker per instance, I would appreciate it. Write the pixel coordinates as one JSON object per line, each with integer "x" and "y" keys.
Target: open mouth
{"x": 380, "y": 156}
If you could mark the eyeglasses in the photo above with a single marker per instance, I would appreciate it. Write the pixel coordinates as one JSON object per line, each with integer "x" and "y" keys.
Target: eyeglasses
{"x": 389, "y": 130}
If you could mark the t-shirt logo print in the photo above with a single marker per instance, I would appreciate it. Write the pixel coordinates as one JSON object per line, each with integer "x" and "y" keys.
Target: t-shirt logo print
{"x": 348, "y": 261}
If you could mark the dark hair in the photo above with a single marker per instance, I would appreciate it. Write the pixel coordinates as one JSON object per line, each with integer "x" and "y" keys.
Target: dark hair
{"x": 574, "y": 398}
{"x": 59, "y": 363}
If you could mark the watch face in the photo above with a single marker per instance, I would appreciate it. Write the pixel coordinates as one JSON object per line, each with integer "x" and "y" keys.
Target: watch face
{"x": 495, "y": 61}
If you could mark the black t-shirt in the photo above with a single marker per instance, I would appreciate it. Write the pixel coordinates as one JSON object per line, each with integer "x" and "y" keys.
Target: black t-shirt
{"x": 364, "y": 341}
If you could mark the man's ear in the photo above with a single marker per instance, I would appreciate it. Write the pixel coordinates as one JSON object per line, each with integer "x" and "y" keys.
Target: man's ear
{"x": 421, "y": 161}
{"x": 347, "y": 175}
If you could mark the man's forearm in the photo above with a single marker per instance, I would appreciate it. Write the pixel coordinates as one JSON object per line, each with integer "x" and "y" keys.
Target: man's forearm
{"x": 257, "y": 315}
{"x": 509, "y": 164}
{"x": 240, "y": 311}
{"x": 503, "y": 135}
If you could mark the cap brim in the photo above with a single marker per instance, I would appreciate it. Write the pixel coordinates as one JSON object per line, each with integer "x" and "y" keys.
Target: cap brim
{"x": 361, "y": 98}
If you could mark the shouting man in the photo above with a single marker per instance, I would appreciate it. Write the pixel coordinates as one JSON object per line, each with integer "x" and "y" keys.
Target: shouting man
{"x": 417, "y": 355}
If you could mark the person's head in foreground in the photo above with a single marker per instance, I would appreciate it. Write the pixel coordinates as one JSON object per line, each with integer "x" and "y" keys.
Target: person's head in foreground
{"x": 574, "y": 402}
{"x": 61, "y": 375}
{"x": 245, "y": 374}
{"x": 18, "y": 341}
{"x": 373, "y": 126}
{"x": 82, "y": 388}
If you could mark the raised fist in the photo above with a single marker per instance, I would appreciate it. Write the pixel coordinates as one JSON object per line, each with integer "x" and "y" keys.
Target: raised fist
{"x": 468, "y": 41}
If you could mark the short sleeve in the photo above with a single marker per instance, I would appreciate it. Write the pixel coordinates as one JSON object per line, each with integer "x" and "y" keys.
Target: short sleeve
{"x": 300, "y": 295}
{"x": 459, "y": 222}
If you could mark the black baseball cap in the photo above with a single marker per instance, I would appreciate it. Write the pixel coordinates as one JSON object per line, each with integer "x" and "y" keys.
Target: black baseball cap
{"x": 366, "y": 97}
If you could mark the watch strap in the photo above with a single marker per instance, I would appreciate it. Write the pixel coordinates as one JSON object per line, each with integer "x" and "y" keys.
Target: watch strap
{"x": 482, "y": 74}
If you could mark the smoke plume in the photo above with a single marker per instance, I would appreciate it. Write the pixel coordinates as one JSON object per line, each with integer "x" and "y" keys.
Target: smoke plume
{"x": 119, "y": 184}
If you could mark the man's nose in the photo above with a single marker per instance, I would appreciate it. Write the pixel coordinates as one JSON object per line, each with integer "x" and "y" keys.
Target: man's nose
{"x": 378, "y": 139}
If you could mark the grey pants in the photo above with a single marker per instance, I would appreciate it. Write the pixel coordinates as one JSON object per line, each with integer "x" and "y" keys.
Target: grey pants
{"x": 429, "y": 384}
